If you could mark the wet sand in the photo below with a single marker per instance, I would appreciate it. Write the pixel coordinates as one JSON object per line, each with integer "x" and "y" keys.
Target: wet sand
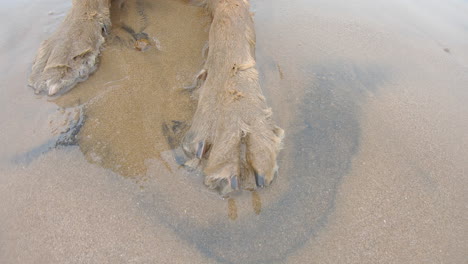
{"x": 374, "y": 168}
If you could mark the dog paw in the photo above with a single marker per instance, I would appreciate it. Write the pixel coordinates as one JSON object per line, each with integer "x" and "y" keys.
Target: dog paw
{"x": 70, "y": 55}
{"x": 232, "y": 136}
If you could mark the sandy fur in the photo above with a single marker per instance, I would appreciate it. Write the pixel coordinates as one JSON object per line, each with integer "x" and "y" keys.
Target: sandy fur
{"x": 232, "y": 119}
{"x": 70, "y": 54}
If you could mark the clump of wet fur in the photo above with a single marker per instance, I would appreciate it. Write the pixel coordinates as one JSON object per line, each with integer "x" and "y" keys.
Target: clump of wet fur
{"x": 70, "y": 54}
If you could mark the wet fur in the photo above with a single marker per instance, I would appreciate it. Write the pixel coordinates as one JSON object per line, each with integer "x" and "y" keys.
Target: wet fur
{"x": 232, "y": 135}
{"x": 70, "y": 54}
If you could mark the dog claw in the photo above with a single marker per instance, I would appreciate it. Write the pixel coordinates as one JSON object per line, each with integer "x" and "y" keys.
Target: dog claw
{"x": 234, "y": 183}
{"x": 228, "y": 186}
{"x": 260, "y": 180}
{"x": 200, "y": 149}
{"x": 105, "y": 29}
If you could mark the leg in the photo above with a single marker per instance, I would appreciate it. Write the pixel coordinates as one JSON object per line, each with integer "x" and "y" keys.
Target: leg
{"x": 232, "y": 132}
{"x": 69, "y": 55}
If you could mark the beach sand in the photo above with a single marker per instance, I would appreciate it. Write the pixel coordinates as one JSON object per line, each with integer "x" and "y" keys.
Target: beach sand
{"x": 372, "y": 96}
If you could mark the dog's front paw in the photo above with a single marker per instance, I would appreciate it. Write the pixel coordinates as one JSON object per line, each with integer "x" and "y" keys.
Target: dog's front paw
{"x": 70, "y": 54}
{"x": 233, "y": 136}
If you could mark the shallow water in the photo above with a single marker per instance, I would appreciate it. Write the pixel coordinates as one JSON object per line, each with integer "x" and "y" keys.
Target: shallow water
{"x": 374, "y": 169}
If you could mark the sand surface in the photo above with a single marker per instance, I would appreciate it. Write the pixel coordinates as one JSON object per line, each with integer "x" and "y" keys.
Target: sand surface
{"x": 372, "y": 95}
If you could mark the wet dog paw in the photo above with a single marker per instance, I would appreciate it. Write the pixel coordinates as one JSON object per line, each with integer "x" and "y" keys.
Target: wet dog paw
{"x": 70, "y": 54}
{"x": 233, "y": 137}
